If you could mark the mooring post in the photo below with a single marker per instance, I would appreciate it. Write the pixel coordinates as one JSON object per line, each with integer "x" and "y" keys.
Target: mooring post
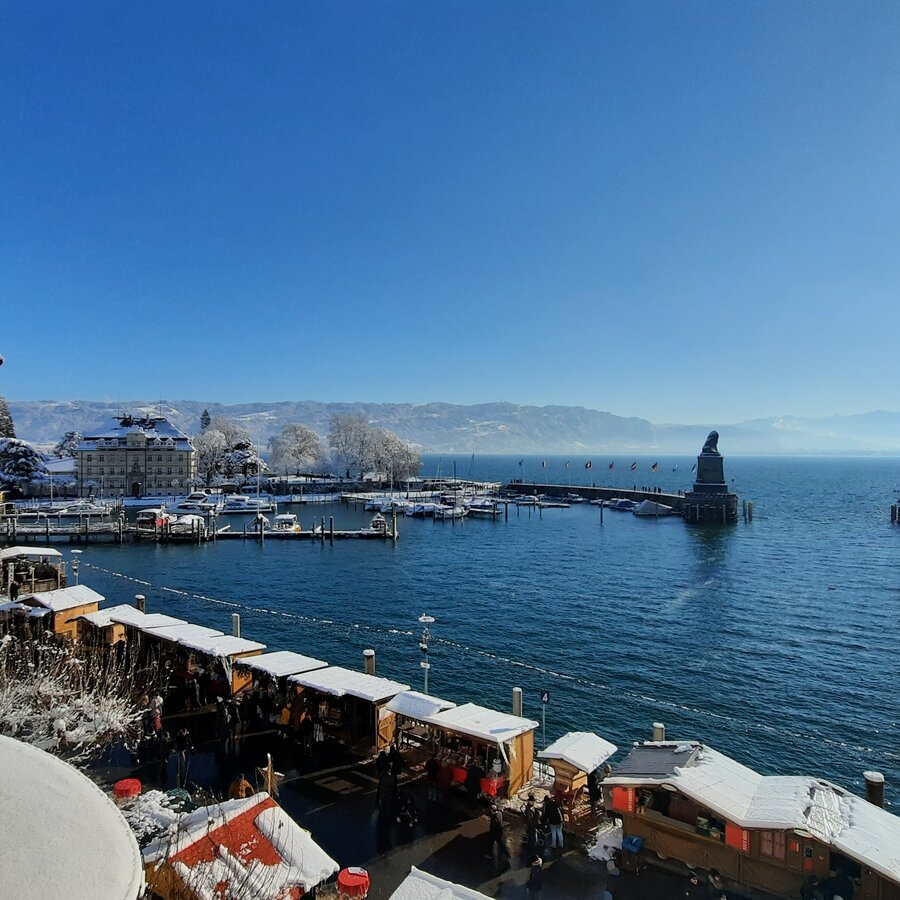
{"x": 331, "y": 530}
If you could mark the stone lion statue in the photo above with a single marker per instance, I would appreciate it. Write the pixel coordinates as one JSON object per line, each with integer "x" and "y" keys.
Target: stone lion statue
{"x": 712, "y": 443}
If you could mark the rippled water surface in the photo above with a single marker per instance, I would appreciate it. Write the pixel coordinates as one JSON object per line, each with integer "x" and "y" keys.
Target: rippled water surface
{"x": 776, "y": 642}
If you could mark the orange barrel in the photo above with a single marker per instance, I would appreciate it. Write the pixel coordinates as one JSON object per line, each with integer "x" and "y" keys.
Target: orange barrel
{"x": 126, "y": 788}
{"x": 353, "y": 882}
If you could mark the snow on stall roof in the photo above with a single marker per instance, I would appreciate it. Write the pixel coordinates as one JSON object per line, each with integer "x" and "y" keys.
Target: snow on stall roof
{"x": 221, "y": 645}
{"x": 12, "y": 606}
{"x": 251, "y": 844}
{"x": 282, "y": 663}
{"x": 14, "y": 552}
{"x": 836, "y": 817}
{"x": 419, "y": 885}
{"x": 65, "y": 598}
{"x": 338, "y": 681}
{"x": 581, "y": 749}
{"x": 104, "y": 617}
{"x": 176, "y": 633}
{"x": 414, "y": 705}
{"x": 481, "y": 723}
{"x": 93, "y": 853}
{"x": 130, "y": 615}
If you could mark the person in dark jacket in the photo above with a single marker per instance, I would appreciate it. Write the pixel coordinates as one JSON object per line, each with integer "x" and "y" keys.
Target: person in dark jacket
{"x": 593, "y": 786}
{"x": 432, "y": 767}
{"x": 184, "y": 746}
{"x": 498, "y": 838}
{"x": 536, "y": 878}
{"x": 532, "y": 822}
{"x": 554, "y": 818}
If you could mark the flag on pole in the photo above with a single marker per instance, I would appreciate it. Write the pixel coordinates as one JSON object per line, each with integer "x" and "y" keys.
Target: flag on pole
{"x": 675, "y": 467}
{"x": 588, "y": 464}
{"x": 567, "y": 465}
{"x": 521, "y": 462}
{"x": 694, "y": 467}
{"x": 633, "y": 466}
{"x": 654, "y": 467}
{"x": 543, "y": 463}
{"x": 612, "y": 465}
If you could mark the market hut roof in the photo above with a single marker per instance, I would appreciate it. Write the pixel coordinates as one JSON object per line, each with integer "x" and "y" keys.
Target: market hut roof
{"x": 481, "y": 723}
{"x": 282, "y": 663}
{"x": 221, "y": 645}
{"x": 338, "y": 681}
{"x": 581, "y": 749}
{"x": 414, "y": 705}
{"x": 178, "y": 633}
{"x": 419, "y": 885}
{"x": 88, "y": 852}
{"x": 16, "y": 552}
{"x": 834, "y": 816}
{"x": 251, "y": 845}
{"x": 64, "y": 598}
{"x": 129, "y": 615}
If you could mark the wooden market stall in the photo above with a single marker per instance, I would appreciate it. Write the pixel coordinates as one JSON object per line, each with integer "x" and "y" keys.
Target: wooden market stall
{"x": 63, "y": 607}
{"x": 410, "y": 707}
{"x": 110, "y": 625}
{"x": 33, "y": 569}
{"x": 349, "y": 704}
{"x": 498, "y": 744}
{"x": 224, "y": 650}
{"x": 572, "y": 757}
{"x": 276, "y": 667}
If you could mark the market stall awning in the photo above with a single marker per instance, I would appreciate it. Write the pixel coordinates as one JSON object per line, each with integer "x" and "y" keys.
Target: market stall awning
{"x": 414, "y": 705}
{"x": 282, "y": 663}
{"x": 221, "y": 645}
{"x": 419, "y": 885}
{"x": 64, "y": 598}
{"x": 16, "y": 552}
{"x": 581, "y": 749}
{"x": 338, "y": 681}
{"x": 130, "y": 615}
{"x": 177, "y": 633}
{"x": 481, "y": 723}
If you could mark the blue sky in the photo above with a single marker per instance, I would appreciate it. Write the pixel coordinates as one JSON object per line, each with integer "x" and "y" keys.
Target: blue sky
{"x": 681, "y": 211}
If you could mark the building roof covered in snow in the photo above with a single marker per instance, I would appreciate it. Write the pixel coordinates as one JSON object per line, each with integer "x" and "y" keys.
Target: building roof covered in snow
{"x": 834, "y": 816}
{"x": 338, "y": 681}
{"x": 156, "y": 429}
{"x": 130, "y": 615}
{"x": 419, "y": 885}
{"x": 249, "y": 847}
{"x": 414, "y": 705}
{"x": 178, "y": 633}
{"x": 63, "y": 598}
{"x": 481, "y": 723}
{"x": 581, "y": 749}
{"x": 282, "y": 663}
{"x": 221, "y": 645}
{"x": 87, "y": 851}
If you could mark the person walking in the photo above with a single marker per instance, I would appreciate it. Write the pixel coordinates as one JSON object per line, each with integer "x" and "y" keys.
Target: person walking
{"x": 593, "y": 786}
{"x": 184, "y": 746}
{"x": 164, "y": 751}
{"x": 535, "y": 881}
{"x": 532, "y": 823}
{"x": 432, "y": 767}
{"x": 395, "y": 757}
{"x": 554, "y": 818}
{"x": 499, "y": 850}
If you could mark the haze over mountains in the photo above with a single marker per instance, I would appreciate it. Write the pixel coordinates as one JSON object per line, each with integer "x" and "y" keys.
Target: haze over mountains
{"x": 488, "y": 427}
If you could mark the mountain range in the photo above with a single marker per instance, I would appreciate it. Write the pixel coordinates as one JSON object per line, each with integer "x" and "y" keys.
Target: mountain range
{"x": 487, "y": 427}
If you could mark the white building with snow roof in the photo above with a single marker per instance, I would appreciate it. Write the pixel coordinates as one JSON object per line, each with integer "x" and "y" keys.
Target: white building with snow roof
{"x": 689, "y": 802}
{"x": 134, "y": 457}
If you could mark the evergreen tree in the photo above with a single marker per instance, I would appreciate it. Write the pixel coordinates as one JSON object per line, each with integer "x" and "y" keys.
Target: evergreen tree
{"x": 6, "y": 423}
{"x": 205, "y": 419}
{"x": 66, "y": 447}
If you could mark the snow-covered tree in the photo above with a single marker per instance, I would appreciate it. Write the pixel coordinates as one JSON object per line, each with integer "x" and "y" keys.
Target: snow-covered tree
{"x": 66, "y": 447}
{"x": 349, "y": 438}
{"x": 211, "y": 448}
{"x": 233, "y": 433}
{"x": 244, "y": 460}
{"x": 71, "y": 699}
{"x": 391, "y": 457}
{"x": 297, "y": 448}
{"x": 222, "y": 449}
{"x": 19, "y": 462}
{"x": 205, "y": 419}
{"x": 7, "y": 430}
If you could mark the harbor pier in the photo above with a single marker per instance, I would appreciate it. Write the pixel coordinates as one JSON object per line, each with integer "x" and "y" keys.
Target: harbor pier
{"x": 562, "y": 491}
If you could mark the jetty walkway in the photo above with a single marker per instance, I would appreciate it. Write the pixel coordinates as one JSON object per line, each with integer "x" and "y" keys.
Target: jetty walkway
{"x": 676, "y": 501}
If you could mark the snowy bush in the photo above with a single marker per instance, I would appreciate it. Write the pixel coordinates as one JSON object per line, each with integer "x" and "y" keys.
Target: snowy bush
{"x": 69, "y": 699}
{"x": 19, "y": 462}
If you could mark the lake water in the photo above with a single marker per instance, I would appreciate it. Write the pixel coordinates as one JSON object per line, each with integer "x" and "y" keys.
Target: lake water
{"x": 775, "y": 642}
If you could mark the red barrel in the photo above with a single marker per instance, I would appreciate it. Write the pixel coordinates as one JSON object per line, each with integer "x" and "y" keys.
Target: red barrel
{"x": 353, "y": 882}
{"x": 127, "y": 787}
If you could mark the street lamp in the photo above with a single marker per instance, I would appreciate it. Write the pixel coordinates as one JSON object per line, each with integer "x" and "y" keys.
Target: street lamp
{"x": 423, "y": 645}
{"x": 75, "y": 554}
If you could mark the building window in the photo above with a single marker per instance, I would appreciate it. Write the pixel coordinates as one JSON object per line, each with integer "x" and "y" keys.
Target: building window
{"x": 100, "y": 457}
{"x": 181, "y": 471}
{"x": 771, "y": 843}
{"x": 90, "y": 457}
{"x": 169, "y": 471}
{"x": 100, "y": 470}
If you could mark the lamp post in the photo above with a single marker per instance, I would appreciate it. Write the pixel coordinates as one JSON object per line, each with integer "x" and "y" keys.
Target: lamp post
{"x": 75, "y": 555}
{"x": 426, "y": 620}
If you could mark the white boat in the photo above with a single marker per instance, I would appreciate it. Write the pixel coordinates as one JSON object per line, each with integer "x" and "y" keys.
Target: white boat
{"x": 241, "y": 503}
{"x": 654, "y": 509}
{"x": 621, "y": 505}
{"x": 260, "y": 523}
{"x": 85, "y": 508}
{"x": 378, "y": 524}
{"x": 450, "y": 512}
{"x": 286, "y": 522}
{"x": 187, "y": 527}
